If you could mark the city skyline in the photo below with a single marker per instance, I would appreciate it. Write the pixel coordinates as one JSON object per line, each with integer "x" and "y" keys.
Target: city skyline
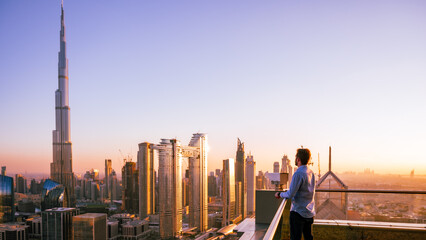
{"x": 355, "y": 70}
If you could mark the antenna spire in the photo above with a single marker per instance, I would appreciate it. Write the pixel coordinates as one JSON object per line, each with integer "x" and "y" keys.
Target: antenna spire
{"x": 319, "y": 169}
{"x": 329, "y": 159}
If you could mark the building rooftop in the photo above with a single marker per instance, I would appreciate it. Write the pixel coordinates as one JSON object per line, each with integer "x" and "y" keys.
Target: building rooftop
{"x": 59, "y": 209}
{"x": 123, "y": 215}
{"x": 12, "y": 226}
{"x": 91, "y": 215}
{"x": 112, "y": 222}
{"x": 135, "y": 223}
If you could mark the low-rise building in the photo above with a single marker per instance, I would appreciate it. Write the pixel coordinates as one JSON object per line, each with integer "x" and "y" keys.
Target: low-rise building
{"x": 136, "y": 229}
{"x": 90, "y": 226}
{"x": 13, "y": 231}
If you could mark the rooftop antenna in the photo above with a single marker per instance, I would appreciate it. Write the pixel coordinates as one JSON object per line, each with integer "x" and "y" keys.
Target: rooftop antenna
{"x": 319, "y": 168}
{"x": 329, "y": 159}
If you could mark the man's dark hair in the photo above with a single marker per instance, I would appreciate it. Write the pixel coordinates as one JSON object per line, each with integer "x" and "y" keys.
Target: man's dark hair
{"x": 304, "y": 154}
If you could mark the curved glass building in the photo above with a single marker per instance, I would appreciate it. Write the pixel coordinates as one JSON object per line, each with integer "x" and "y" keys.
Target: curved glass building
{"x": 53, "y": 195}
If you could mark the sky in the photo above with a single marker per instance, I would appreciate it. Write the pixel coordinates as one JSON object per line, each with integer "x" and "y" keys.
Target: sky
{"x": 276, "y": 74}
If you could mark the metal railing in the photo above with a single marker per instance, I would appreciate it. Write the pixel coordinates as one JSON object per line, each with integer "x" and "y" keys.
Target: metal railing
{"x": 371, "y": 191}
{"x": 274, "y": 229}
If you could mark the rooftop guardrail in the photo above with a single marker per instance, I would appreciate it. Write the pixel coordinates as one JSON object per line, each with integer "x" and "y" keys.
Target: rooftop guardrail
{"x": 336, "y": 229}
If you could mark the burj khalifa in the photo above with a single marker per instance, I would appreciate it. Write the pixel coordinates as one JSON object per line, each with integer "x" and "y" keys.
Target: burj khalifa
{"x": 61, "y": 167}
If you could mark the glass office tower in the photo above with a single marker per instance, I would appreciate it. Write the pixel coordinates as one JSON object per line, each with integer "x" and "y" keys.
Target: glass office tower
{"x": 57, "y": 223}
{"x": 170, "y": 188}
{"x": 198, "y": 198}
{"x": 228, "y": 195}
{"x": 7, "y": 211}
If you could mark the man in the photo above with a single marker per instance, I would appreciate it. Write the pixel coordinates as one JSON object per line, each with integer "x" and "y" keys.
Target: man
{"x": 301, "y": 193}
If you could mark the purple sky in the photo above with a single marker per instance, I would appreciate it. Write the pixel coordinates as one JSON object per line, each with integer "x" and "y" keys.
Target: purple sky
{"x": 277, "y": 74}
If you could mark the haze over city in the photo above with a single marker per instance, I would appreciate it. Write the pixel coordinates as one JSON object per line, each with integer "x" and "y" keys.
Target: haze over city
{"x": 276, "y": 74}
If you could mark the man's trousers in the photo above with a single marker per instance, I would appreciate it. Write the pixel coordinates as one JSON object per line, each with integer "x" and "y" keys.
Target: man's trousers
{"x": 299, "y": 225}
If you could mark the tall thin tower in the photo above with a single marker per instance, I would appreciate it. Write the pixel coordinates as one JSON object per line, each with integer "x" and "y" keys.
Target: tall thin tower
{"x": 108, "y": 171}
{"x": 170, "y": 188}
{"x": 228, "y": 194}
{"x": 251, "y": 184}
{"x": 198, "y": 197}
{"x": 146, "y": 179}
{"x": 240, "y": 181}
{"x": 61, "y": 167}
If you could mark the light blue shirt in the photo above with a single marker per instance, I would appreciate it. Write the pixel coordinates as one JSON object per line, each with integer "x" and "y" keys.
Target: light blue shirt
{"x": 301, "y": 192}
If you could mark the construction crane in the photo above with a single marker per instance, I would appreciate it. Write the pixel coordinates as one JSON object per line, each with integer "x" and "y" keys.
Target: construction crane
{"x": 122, "y": 157}
{"x": 129, "y": 157}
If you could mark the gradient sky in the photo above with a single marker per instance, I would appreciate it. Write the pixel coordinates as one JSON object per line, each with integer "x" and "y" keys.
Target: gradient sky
{"x": 277, "y": 74}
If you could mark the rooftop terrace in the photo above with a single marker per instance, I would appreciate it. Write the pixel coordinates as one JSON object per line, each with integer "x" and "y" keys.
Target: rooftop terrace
{"x": 272, "y": 221}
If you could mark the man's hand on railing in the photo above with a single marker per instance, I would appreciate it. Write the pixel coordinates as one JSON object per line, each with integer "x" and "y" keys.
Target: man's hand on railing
{"x": 277, "y": 195}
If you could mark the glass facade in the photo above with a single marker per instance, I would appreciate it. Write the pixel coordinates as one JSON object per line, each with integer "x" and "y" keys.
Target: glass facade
{"x": 170, "y": 188}
{"x": 198, "y": 198}
{"x": 240, "y": 180}
{"x": 130, "y": 183}
{"x": 53, "y": 195}
{"x": 57, "y": 223}
{"x": 90, "y": 226}
{"x": 228, "y": 197}
{"x": 331, "y": 205}
{"x": 7, "y": 211}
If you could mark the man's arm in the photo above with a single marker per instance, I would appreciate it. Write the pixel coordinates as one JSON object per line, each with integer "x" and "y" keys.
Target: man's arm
{"x": 294, "y": 187}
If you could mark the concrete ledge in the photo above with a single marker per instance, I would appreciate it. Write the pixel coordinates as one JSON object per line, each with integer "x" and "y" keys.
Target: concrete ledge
{"x": 266, "y": 206}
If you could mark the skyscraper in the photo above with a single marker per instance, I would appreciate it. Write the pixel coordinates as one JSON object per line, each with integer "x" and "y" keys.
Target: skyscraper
{"x": 251, "y": 184}
{"x": 260, "y": 181}
{"x": 61, "y": 167}
{"x": 57, "y": 223}
{"x": 108, "y": 171}
{"x": 198, "y": 194}
{"x": 219, "y": 182}
{"x": 228, "y": 195}
{"x": 7, "y": 208}
{"x": 240, "y": 183}
{"x": 115, "y": 192}
{"x": 212, "y": 185}
{"x": 146, "y": 179}
{"x": 21, "y": 183}
{"x": 287, "y": 168}
{"x": 170, "y": 188}
{"x": 130, "y": 182}
{"x": 185, "y": 189}
{"x": 276, "y": 167}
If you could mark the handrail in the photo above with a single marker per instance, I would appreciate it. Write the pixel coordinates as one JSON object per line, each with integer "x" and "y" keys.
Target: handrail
{"x": 371, "y": 191}
{"x": 275, "y": 222}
